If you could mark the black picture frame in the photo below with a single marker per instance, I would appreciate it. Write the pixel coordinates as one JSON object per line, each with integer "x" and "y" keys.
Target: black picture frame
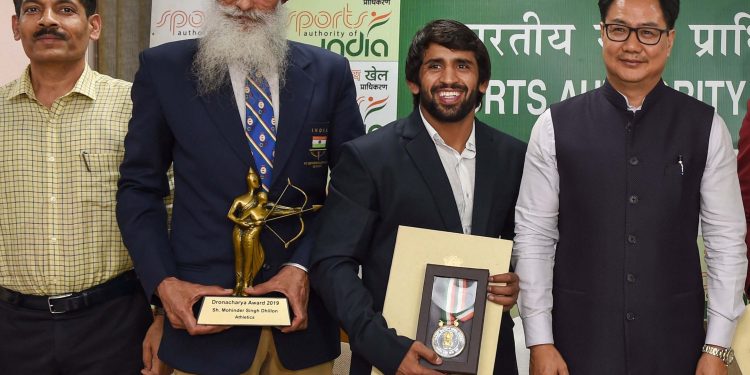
{"x": 467, "y": 362}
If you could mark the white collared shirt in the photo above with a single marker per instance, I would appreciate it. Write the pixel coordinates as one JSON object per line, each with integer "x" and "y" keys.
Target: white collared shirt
{"x": 460, "y": 169}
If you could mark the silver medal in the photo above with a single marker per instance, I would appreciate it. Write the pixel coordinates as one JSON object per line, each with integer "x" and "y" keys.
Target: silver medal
{"x": 448, "y": 341}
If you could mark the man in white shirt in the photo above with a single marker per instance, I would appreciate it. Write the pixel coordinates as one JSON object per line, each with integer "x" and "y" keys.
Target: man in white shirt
{"x": 439, "y": 168}
{"x": 614, "y": 185}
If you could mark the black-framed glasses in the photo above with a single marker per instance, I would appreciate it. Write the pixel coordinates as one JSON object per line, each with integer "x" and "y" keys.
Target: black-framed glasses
{"x": 646, "y": 35}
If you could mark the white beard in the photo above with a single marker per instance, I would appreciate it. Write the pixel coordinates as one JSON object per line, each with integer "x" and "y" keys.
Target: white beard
{"x": 256, "y": 43}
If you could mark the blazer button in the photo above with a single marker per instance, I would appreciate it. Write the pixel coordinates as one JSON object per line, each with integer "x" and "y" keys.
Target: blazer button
{"x": 632, "y": 239}
{"x": 630, "y": 277}
{"x": 633, "y": 161}
{"x": 630, "y": 316}
{"x": 633, "y": 199}
{"x": 266, "y": 267}
{"x": 629, "y": 127}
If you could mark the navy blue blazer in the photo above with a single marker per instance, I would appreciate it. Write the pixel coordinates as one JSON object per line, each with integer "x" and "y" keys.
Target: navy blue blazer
{"x": 202, "y": 137}
{"x": 394, "y": 177}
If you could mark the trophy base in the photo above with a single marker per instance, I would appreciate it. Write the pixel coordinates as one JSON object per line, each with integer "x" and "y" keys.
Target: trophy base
{"x": 245, "y": 311}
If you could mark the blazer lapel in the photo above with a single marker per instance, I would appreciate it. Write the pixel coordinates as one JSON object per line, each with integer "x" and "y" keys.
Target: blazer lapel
{"x": 222, "y": 108}
{"x": 422, "y": 151}
{"x": 484, "y": 180}
{"x": 295, "y": 99}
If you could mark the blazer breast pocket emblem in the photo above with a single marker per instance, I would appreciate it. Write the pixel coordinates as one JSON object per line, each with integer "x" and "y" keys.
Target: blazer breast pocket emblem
{"x": 318, "y": 149}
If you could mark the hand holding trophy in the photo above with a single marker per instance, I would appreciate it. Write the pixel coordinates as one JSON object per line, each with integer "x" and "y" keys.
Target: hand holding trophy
{"x": 250, "y": 212}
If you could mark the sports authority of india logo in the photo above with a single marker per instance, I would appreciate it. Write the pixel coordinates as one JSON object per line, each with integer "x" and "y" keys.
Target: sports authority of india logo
{"x": 369, "y": 105}
{"x": 182, "y": 23}
{"x": 343, "y": 31}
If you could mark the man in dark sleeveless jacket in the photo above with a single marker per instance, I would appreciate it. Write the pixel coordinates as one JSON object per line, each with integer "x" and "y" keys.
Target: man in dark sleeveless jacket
{"x": 743, "y": 171}
{"x": 614, "y": 185}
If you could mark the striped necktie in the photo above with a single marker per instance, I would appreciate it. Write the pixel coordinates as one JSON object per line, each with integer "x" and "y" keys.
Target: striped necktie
{"x": 260, "y": 126}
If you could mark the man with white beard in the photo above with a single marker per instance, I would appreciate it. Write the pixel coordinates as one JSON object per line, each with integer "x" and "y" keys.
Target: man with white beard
{"x": 240, "y": 97}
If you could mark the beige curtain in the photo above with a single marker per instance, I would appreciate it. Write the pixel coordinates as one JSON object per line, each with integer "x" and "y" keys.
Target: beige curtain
{"x": 125, "y": 33}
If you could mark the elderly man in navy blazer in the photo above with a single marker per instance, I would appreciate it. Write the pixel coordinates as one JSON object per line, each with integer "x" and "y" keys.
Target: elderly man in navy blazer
{"x": 194, "y": 109}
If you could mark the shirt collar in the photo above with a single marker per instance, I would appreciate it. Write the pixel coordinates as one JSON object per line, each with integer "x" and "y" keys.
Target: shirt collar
{"x": 239, "y": 74}
{"x": 470, "y": 149}
{"x": 620, "y": 101}
{"x": 84, "y": 86}
{"x": 22, "y": 86}
{"x": 86, "y": 83}
{"x": 631, "y": 107}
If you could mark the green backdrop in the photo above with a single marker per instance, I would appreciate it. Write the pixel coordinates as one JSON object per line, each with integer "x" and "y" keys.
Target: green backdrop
{"x": 519, "y": 80}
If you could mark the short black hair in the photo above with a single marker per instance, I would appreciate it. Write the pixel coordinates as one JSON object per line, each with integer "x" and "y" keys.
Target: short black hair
{"x": 670, "y": 9}
{"x": 89, "y": 5}
{"x": 452, "y": 35}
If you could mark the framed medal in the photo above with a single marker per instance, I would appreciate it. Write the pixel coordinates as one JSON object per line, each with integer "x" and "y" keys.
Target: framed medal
{"x": 451, "y": 316}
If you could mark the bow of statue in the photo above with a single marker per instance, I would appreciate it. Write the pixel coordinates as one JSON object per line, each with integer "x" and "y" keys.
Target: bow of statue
{"x": 250, "y": 213}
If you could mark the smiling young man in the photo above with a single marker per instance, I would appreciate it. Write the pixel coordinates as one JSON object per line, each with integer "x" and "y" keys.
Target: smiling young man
{"x": 440, "y": 168}
{"x": 69, "y": 300}
{"x": 615, "y": 184}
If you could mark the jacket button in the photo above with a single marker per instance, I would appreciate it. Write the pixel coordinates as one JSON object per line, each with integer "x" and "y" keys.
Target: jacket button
{"x": 630, "y": 316}
{"x": 633, "y": 199}
{"x": 630, "y": 277}
{"x": 266, "y": 267}
{"x": 633, "y": 161}
{"x": 632, "y": 239}
{"x": 629, "y": 127}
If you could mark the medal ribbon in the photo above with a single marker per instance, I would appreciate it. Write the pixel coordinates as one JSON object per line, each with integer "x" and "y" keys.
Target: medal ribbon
{"x": 456, "y": 298}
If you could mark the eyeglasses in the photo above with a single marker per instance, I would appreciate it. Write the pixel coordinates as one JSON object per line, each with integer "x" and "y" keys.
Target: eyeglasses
{"x": 646, "y": 35}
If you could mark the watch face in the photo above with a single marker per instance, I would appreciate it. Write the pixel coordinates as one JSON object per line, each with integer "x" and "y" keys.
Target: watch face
{"x": 730, "y": 357}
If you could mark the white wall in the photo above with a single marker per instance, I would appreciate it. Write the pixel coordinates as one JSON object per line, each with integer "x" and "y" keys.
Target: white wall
{"x": 13, "y": 59}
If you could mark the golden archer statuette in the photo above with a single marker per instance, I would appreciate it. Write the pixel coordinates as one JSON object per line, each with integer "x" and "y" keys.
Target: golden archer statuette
{"x": 250, "y": 212}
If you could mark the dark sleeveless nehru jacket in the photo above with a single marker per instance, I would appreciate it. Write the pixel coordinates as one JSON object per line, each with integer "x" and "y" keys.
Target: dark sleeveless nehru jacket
{"x": 628, "y": 294}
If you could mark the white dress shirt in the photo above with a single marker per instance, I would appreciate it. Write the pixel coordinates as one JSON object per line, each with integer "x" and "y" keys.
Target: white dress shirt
{"x": 722, "y": 223}
{"x": 460, "y": 168}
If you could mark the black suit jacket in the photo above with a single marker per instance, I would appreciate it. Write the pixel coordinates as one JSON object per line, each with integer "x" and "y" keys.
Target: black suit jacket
{"x": 394, "y": 177}
{"x": 203, "y": 137}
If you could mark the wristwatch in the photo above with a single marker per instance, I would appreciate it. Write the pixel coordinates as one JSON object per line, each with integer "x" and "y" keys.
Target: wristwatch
{"x": 725, "y": 354}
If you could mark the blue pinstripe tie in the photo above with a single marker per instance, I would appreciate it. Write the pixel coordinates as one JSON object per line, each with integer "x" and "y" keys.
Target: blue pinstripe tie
{"x": 260, "y": 127}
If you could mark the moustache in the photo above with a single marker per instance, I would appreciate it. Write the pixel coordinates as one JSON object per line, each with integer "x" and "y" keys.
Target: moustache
{"x": 49, "y": 31}
{"x": 234, "y": 12}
